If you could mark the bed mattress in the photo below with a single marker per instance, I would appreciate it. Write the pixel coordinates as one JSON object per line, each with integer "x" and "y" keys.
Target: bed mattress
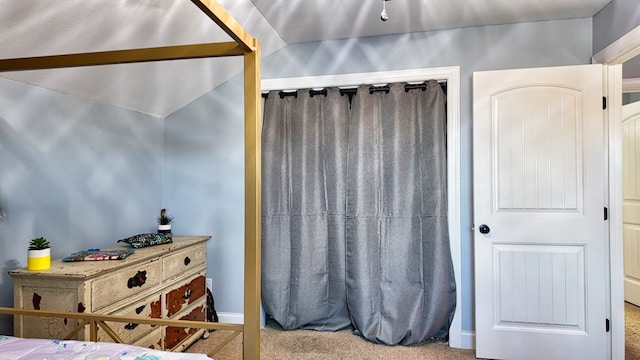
{"x": 14, "y": 348}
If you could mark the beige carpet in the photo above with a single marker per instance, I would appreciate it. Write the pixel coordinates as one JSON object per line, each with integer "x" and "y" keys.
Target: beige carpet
{"x": 276, "y": 344}
{"x": 632, "y": 331}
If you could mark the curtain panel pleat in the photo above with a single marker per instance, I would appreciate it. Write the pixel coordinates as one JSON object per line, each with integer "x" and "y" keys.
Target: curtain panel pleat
{"x": 355, "y": 214}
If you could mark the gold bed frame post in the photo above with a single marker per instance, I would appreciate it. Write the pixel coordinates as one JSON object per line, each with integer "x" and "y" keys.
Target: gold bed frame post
{"x": 253, "y": 201}
{"x": 252, "y": 172}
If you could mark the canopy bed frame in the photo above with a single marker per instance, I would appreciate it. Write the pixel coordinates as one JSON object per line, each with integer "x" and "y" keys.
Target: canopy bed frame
{"x": 243, "y": 45}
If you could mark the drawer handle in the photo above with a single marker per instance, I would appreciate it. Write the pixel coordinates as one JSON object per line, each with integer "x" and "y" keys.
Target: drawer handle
{"x": 187, "y": 261}
{"x": 137, "y": 280}
{"x": 187, "y": 294}
{"x": 130, "y": 326}
{"x": 35, "y": 300}
{"x": 139, "y": 309}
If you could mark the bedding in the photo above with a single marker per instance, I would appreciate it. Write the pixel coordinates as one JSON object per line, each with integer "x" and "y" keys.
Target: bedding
{"x": 14, "y": 348}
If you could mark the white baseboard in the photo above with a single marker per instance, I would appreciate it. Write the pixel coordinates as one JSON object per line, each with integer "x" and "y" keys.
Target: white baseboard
{"x": 238, "y": 318}
{"x": 469, "y": 340}
{"x": 231, "y": 318}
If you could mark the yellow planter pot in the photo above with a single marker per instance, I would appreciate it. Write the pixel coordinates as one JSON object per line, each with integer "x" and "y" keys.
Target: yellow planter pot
{"x": 38, "y": 259}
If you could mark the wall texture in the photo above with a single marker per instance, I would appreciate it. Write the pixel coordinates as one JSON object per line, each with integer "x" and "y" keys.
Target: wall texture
{"x": 204, "y": 143}
{"x": 80, "y": 173}
{"x": 613, "y": 21}
{"x": 204, "y": 184}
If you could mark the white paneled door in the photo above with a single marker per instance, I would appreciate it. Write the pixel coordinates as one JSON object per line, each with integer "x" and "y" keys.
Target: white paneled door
{"x": 540, "y": 233}
{"x": 631, "y": 194}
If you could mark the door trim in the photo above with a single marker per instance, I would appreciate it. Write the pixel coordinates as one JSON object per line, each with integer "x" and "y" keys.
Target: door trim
{"x": 621, "y": 50}
{"x": 625, "y": 48}
{"x": 616, "y": 257}
{"x": 457, "y": 339}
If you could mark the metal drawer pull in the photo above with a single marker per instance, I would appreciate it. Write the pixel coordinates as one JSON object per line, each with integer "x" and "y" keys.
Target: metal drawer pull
{"x": 137, "y": 280}
{"x": 187, "y": 294}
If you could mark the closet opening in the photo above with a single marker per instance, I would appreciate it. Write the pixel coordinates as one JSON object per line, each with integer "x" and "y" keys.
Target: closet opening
{"x": 448, "y": 79}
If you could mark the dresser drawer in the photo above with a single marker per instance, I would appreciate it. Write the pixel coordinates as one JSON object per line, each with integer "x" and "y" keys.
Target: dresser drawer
{"x": 182, "y": 262}
{"x": 53, "y": 299}
{"x": 185, "y": 293}
{"x": 125, "y": 283}
{"x": 176, "y": 335}
{"x": 153, "y": 340}
{"x": 150, "y": 307}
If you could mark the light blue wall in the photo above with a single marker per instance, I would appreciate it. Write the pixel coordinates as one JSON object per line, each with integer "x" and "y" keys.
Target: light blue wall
{"x": 80, "y": 173}
{"x": 204, "y": 184}
{"x": 613, "y": 21}
{"x": 204, "y": 143}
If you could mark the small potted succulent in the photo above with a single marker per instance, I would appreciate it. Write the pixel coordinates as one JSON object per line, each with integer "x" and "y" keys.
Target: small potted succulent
{"x": 39, "y": 254}
{"x": 164, "y": 222}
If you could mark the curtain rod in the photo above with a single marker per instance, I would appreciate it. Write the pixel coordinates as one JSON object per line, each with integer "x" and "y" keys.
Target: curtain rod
{"x": 352, "y": 90}
{"x": 345, "y": 87}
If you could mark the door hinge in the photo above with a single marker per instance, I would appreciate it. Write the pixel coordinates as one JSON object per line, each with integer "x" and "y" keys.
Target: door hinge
{"x": 607, "y": 325}
{"x": 604, "y": 102}
{"x": 606, "y": 214}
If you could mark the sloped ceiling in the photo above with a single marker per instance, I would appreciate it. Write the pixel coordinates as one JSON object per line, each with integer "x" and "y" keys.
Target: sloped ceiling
{"x": 303, "y": 21}
{"x": 35, "y": 27}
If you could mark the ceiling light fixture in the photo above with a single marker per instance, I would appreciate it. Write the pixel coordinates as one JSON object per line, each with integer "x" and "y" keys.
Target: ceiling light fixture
{"x": 384, "y": 16}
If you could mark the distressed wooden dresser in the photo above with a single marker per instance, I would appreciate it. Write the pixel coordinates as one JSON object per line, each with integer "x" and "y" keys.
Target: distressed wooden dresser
{"x": 163, "y": 281}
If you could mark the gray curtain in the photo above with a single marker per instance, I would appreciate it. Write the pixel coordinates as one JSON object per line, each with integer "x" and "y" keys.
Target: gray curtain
{"x": 354, "y": 214}
{"x": 400, "y": 282}
{"x": 304, "y": 155}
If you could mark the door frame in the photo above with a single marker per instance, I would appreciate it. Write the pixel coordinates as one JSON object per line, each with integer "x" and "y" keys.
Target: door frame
{"x": 614, "y": 55}
{"x": 457, "y": 338}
